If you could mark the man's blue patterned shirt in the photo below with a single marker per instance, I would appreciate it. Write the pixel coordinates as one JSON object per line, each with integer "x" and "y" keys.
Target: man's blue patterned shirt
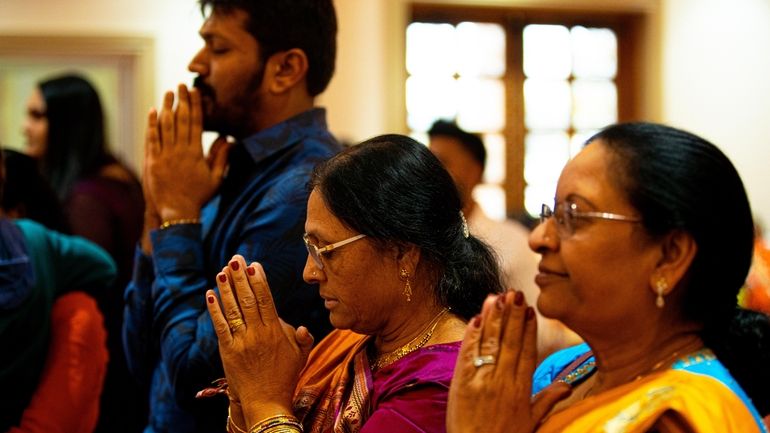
{"x": 259, "y": 212}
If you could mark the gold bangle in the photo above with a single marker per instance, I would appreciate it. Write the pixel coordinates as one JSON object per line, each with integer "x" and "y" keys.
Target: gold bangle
{"x": 231, "y": 425}
{"x": 277, "y": 423}
{"x": 168, "y": 223}
{"x": 283, "y": 428}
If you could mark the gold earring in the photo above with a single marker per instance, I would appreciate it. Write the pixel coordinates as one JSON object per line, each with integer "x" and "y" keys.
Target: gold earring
{"x": 407, "y": 287}
{"x": 661, "y": 285}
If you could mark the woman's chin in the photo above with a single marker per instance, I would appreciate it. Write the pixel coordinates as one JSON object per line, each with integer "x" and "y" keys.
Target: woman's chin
{"x": 550, "y": 308}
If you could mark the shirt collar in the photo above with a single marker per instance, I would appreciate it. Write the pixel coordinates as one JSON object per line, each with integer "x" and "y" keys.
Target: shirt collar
{"x": 282, "y": 135}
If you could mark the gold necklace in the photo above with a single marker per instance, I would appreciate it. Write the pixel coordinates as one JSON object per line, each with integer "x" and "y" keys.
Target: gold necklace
{"x": 390, "y": 357}
{"x": 665, "y": 362}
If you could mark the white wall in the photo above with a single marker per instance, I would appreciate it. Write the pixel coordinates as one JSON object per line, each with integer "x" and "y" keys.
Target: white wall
{"x": 714, "y": 68}
{"x": 716, "y": 83}
{"x": 173, "y": 24}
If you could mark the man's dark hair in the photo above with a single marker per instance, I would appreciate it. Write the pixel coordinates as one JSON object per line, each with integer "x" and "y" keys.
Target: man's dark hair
{"x": 471, "y": 142}
{"x": 280, "y": 25}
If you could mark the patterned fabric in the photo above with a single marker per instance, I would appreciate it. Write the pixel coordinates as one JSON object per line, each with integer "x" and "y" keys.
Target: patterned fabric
{"x": 325, "y": 379}
{"x": 697, "y": 387}
{"x": 338, "y": 393}
{"x": 259, "y": 213}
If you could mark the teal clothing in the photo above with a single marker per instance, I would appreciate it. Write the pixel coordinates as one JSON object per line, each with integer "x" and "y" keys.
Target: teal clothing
{"x": 36, "y": 265}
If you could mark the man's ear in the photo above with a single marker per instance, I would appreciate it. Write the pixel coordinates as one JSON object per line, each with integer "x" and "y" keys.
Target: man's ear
{"x": 285, "y": 69}
{"x": 678, "y": 252}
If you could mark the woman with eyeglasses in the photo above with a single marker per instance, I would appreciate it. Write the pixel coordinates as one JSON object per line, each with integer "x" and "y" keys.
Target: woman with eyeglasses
{"x": 643, "y": 256}
{"x": 400, "y": 275}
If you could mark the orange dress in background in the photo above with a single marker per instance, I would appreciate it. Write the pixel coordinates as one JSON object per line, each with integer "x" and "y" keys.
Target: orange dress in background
{"x": 756, "y": 293}
{"x": 67, "y": 397}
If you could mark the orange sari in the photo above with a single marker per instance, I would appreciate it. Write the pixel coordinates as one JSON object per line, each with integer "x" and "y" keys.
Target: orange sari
{"x": 324, "y": 381}
{"x": 705, "y": 403}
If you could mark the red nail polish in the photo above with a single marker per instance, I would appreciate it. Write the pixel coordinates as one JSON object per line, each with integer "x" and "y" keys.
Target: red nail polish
{"x": 222, "y": 278}
{"x": 234, "y": 265}
{"x": 211, "y": 299}
{"x": 251, "y": 271}
{"x": 518, "y": 298}
{"x": 530, "y": 314}
{"x": 476, "y": 321}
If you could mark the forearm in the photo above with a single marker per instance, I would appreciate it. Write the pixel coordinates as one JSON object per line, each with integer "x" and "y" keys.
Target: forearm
{"x": 138, "y": 343}
{"x": 181, "y": 326}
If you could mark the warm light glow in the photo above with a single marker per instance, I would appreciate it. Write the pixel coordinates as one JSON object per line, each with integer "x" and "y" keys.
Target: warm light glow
{"x": 595, "y": 53}
{"x": 547, "y": 104}
{"x": 547, "y": 51}
{"x": 481, "y": 105}
{"x": 595, "y": 103}
{"x": 430, "y": 49}
{"x": 480, "y": 49}
{"x": 545, "y": 154}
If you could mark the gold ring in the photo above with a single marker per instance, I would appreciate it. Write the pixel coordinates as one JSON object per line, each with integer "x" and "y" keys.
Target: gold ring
{"x": 483, "y": 360}
{"x": 235, "y": 324}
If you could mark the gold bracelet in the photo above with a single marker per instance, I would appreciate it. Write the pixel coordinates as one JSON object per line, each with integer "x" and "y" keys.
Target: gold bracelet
{"x": 231, "y": 425}
{"x": 168, "y": 223}
{"x": 283, "y": 428}
{"x": 277, "y": 423}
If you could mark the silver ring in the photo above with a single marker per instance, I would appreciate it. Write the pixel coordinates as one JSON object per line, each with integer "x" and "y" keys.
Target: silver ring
{"x": 483, "y": 360}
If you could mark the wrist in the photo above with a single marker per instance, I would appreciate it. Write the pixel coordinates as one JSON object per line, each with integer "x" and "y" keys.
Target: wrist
{"x": 179, "y": 213}
{"x": 253, "y": 414}
{"x": 277, "y": 424}
{"x": 168, "y": 223}
{"x": 151, "y": 220}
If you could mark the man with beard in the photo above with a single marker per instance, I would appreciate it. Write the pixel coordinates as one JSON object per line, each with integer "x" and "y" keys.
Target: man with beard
{"x": 262, "y": 64}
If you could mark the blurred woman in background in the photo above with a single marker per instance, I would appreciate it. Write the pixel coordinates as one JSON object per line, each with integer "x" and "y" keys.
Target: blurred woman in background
{"x": 102, "y": 201}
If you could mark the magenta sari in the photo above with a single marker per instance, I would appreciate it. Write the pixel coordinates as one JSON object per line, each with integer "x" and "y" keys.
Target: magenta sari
{"x": 339, "y": 393}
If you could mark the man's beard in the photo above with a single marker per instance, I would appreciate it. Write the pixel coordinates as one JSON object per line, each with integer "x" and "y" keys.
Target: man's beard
{"x": 233, "y": 118}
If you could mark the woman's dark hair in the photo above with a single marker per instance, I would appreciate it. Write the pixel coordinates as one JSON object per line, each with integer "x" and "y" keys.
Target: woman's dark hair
{"x": 28, "y": 195}
{"x": 395, "y": 191}
{"x": 679, "y": 181}
{"x": 76, "y": 141}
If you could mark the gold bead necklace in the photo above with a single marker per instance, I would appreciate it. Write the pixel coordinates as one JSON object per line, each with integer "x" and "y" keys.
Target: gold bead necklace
{"x": 417, "y": 342}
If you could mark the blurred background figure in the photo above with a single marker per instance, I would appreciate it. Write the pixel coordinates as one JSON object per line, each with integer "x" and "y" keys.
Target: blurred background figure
{"x": 53, "y": 366}
{"x": 27, "y": 195}
{"x": 756, "y": 293}
{"x": 102, "y": 201}
{"x": 464, "y": 156}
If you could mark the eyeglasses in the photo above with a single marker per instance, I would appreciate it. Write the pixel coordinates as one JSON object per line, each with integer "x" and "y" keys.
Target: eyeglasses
{"x": 315, "y": 252}
{"x": 566, "y": 213}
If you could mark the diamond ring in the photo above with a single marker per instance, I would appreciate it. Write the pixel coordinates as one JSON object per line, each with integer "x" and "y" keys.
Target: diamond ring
{"x": 483, "y": 360}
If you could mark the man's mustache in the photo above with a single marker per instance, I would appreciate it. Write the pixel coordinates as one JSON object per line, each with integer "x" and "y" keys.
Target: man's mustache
{"x": 202, "y": 87}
